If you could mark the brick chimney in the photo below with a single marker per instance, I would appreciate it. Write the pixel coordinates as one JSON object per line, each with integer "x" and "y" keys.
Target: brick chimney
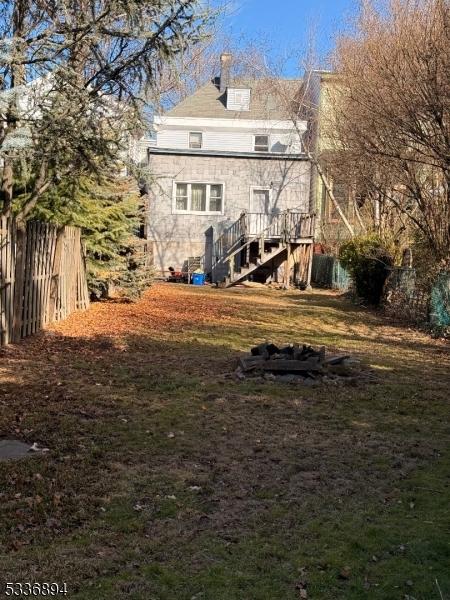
{"x": 225, "y": 71}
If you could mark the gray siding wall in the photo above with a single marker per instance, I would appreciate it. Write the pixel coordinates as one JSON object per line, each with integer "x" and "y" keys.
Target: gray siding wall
{"x": 232, "y": 140}
{"x": 177, "y": 236}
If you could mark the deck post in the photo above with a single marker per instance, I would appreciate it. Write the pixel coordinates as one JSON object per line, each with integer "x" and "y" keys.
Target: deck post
{"x": 310, "y": 255}
{"x": 295, "y": 264}
{"x": 287, "y": 266}
{"x": 243, "y": 224}
{"x": 285, "y": 231}
{"x": 244, "y": 235}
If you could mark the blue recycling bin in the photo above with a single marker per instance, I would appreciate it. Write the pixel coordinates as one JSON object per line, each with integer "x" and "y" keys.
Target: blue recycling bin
{"x": 198, "y": 279}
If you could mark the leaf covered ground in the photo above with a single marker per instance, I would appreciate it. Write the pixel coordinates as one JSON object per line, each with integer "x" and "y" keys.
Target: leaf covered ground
{"x": 166, "y": 479}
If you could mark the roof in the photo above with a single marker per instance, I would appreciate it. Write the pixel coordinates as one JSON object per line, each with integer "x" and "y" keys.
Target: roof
{"x": 267, "y": 99}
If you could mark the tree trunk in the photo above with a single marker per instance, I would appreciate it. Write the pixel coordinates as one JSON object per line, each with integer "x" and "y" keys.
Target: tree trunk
{"x": 18, "y": 77}
{"x": 40, "y": 186}
{"x": 330, "y": 193}
{"x": 7, "y": 186}
{"x": 377, "y": 217}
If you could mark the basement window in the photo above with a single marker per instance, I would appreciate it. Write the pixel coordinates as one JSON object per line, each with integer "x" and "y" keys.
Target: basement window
{"x": 261, "y": 143}
{"x": 198, "y": 198}
{"x": 195, "y": 140}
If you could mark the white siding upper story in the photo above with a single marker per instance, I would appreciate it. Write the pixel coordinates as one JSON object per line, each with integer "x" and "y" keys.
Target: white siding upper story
{"x": 280, "y": 137}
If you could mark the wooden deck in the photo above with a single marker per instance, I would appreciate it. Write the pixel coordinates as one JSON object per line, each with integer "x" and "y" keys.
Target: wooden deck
{"x": 263, "y": 245}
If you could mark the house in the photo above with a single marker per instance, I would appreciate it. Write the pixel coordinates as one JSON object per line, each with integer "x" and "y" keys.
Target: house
{"x": 321, "y": 94}
{"x": 32, "y": 97}
{"x": 229, "y": 177}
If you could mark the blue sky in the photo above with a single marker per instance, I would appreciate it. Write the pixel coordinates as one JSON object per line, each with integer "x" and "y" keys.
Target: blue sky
{"x": 287, "y": 25}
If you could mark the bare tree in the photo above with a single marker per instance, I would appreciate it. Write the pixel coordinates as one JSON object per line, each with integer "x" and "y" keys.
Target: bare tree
{"x": 300, "y": 102}
{"x": 392, "y": 113}
{"x": 199, "y": 64}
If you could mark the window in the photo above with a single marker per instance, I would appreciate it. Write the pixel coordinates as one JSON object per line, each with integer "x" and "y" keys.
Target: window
{"x": 261, "y": 143}
{"x": 198, "y": 198}
{"x": 195, "y": 139}
{"x": 182, "y": 196}
{"x": 241, "y": 98}
{"x": 215, "y": 198}
{"x": 238, "y": 99}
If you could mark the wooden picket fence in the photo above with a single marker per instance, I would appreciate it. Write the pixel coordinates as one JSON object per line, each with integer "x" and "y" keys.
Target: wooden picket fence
{"x": 42, "y": 276}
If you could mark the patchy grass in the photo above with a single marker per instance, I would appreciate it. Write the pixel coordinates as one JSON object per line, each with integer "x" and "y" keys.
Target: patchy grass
{"x": 166, "y": 479}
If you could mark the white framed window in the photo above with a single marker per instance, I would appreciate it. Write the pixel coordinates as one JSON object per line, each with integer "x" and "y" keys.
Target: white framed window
{"x": 195, "y": 139}
{"x": 261, "y": 143}
{"x": 198, "y": 198}
{"x": 181, "y": 197}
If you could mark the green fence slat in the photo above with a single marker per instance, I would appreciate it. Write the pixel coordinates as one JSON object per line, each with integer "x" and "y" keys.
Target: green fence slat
{"x": 440, "y": 301}
{"x": 328, "y": 272}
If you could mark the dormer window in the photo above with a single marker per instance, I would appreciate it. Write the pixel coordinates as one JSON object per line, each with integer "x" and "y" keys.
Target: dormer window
{"x": 238, "y": 99}
{"x": 261, "y": 143}
{"x": 195, "y": 140}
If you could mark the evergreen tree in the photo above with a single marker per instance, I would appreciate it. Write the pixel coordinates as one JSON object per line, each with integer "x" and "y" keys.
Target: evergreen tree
{"x": 72, "y": 73}
{"x": 72, "y": 76}
{"x": 109, "y": 212}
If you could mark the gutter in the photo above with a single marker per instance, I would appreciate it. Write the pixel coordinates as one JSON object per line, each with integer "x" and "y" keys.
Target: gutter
{"x": 228, "y": 154}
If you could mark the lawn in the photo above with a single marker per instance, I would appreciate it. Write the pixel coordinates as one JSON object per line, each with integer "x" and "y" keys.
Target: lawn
{"x": 167, "y": 479}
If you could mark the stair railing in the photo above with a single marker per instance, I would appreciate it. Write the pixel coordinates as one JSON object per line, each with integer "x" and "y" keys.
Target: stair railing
{"x": 230, "y": 237}
{"x": 238, "y": 237}
{"x": 260, "y": 237}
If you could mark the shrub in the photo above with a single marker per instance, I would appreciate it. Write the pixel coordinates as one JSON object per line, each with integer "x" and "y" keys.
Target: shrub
{"x": 109, "y": 214}
{"x": 136, "y": 275}
{"x": 367, "y": 259}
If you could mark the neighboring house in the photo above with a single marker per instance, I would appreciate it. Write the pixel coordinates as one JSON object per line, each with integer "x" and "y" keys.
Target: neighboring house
{"x": 26, "y": 99}
{"x": 321, "y": 97}
{"x": 138, "y": 146}
{"x": 228, "y": 149}
{"x": 32, "y": 96}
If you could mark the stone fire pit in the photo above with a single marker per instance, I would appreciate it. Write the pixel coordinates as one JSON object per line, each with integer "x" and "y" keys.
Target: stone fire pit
{"x": 300, "y": 363}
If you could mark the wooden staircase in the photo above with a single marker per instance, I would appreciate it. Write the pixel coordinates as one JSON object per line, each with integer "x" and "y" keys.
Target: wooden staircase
{"x": 247, "y": 269}
{"x": 257, "y": 245}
